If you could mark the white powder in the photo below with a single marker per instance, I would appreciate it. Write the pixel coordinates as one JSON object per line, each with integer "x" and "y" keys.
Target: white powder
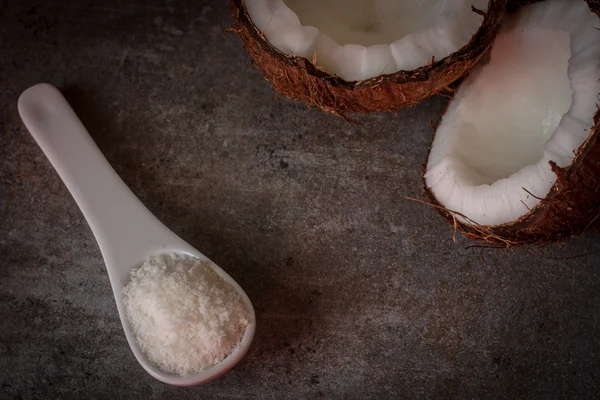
{"x": 185, "y": 317}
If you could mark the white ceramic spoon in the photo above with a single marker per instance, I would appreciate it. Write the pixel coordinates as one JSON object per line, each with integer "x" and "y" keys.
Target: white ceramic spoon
{"x": 127, "y": 233}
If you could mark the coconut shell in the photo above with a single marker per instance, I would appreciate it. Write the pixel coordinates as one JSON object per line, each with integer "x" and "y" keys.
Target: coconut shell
{"x": 298, "y": 78}
{"x": 572, "y": 206}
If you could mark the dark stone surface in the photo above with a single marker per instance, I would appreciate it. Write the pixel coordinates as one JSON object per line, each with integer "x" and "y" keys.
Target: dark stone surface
{"x": 359, "y": 293}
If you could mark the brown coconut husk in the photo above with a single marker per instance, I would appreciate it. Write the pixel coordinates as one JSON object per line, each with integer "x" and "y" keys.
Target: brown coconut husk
{"x": 571, "y": 208}
{"x": 301, "y": 79}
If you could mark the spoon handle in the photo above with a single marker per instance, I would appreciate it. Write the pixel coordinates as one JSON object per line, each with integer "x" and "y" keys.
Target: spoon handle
{"x": 125, "y": 230}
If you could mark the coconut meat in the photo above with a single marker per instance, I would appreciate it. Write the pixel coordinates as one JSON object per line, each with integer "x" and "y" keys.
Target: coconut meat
{"x": 361, "y": 39}
{"x": 530, "y": 103}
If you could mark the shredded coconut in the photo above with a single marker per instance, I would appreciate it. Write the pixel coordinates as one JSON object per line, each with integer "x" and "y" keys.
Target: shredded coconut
{"x": 184, "y": 316}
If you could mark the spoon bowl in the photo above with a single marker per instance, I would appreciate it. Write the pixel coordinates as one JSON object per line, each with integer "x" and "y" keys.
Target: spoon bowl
{"x": 126, "y": 231}
{"x": 204, "y": 376}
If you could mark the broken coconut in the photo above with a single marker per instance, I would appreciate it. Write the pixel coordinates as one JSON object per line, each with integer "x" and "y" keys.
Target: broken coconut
{"x": 516, "y": 156}
{"x": 365, "y": 55}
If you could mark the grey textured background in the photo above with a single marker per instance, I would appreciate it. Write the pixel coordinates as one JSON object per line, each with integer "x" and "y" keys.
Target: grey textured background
{"x": 359, "y": 293}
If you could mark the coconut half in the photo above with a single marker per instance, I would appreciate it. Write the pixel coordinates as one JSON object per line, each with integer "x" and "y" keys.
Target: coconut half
{"x": 365, "y": 55}
{"x": 515, "y": 158}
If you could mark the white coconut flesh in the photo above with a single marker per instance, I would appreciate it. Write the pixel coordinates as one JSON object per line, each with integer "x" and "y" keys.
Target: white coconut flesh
{"x": 361, "y": 39}
{"x": 531, "y": 102}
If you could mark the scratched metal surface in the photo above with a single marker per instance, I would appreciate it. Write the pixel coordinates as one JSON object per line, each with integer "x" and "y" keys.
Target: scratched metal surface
{"x": 360, "y": 293}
